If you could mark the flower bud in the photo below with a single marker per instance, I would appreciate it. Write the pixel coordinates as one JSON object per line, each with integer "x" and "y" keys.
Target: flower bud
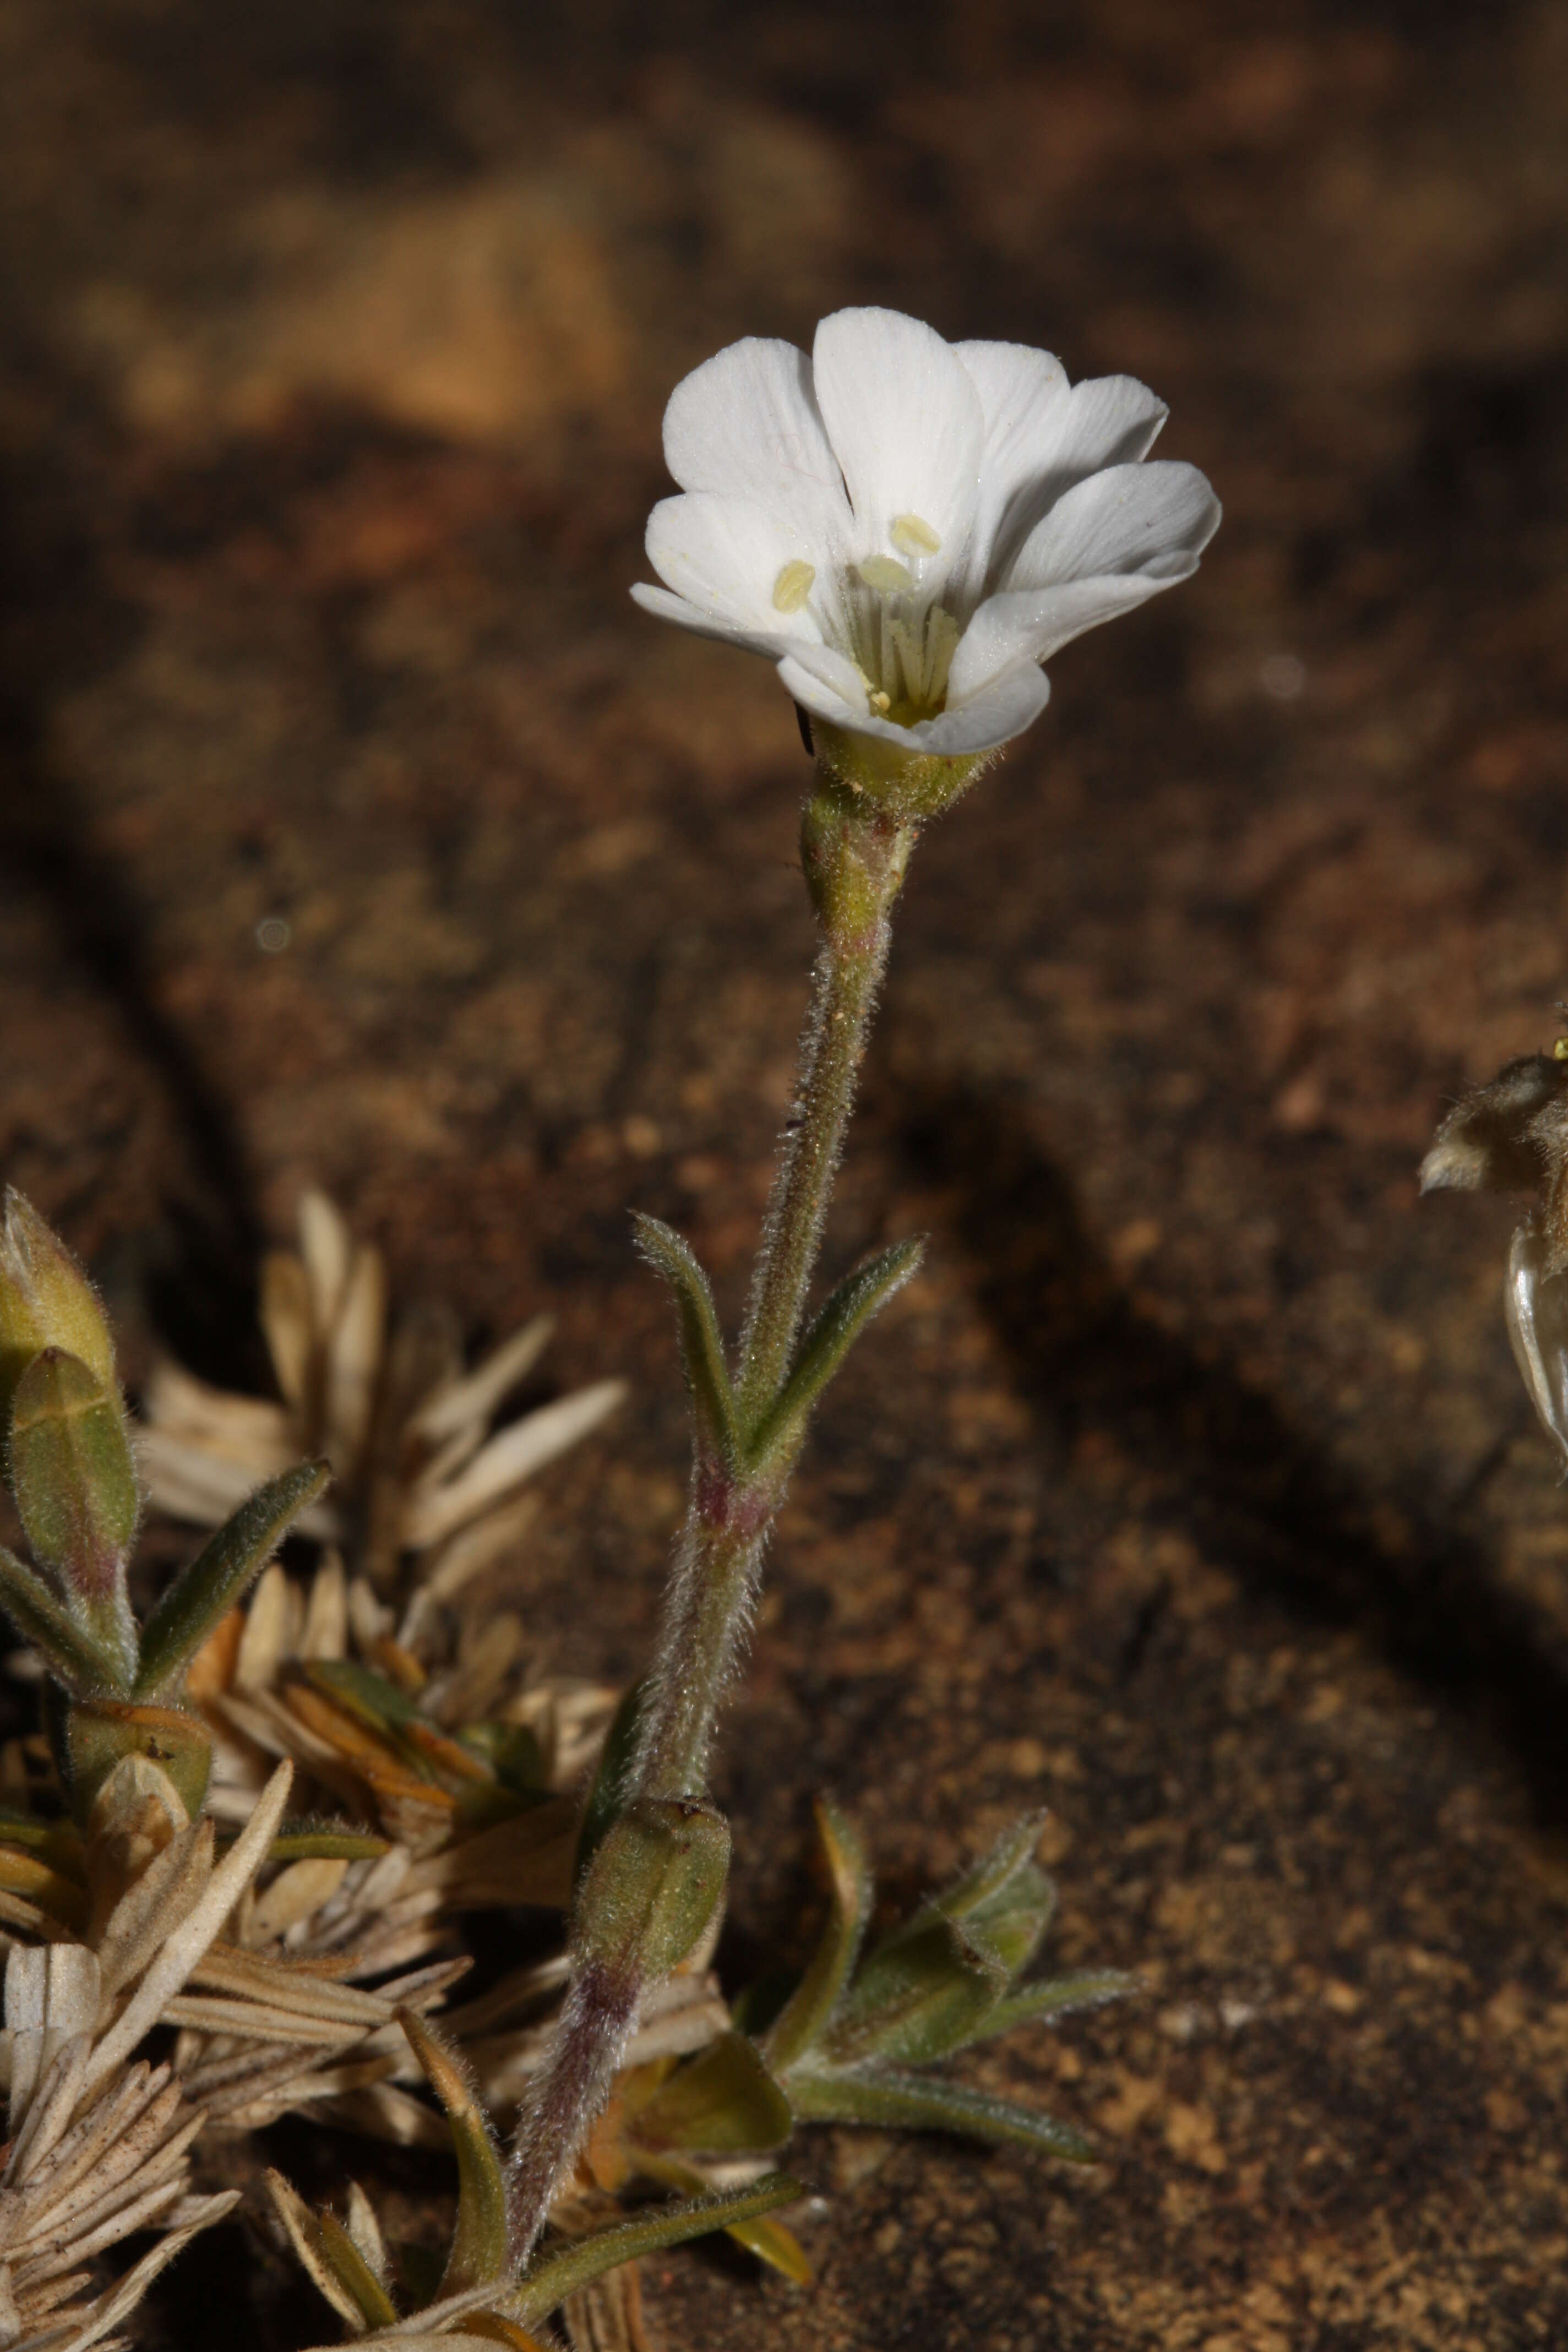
{"x": 655, "y": 1879}
{"x": 1535, "y": 1301}
{"x": 1512, "y": 1136}
{"x": 74, "y": 1481}
{"x": 45, "y": 1301}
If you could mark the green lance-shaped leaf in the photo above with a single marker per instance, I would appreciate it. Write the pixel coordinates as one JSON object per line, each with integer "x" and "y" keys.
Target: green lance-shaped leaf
{"x": 220, "y": 1573}
{"x": 1053, "y": 1997}
{"x": 805, "y": 2016}
{"x": 890, "y": 2100}
{"x": 353, "y": 2272}
{"x": 916, "y": 2004}
{"x": 769, "y": 2239}
{"x": 560, "y": 2272}
{"x": 920, "y": 1993}
{"x": 1006, "y": 1931}
{"x": 327, "y": 1843}
{"x": 332, "y": 2260}
{"x": 858, "y": 1299}
{"x": 72, "y": 1654}
{"x": 374, "y": 1698}
{"x": 652, "y": 1887}
{"x": 480, "y": 2238}
{"x": 701, "y": 1344}
{"x": 75, "y": 1484}
{"x": 725, "y": 2102}
{"x": 975, "y": 1889}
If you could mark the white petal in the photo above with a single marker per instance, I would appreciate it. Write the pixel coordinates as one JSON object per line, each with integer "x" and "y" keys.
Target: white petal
{"x": 827, "y": 682}
{"x": 724, "y": 555}
{"x": 1041, "y": 438}
{"x": 1003, "y": 706}
{"x": 905, "y": 422}
{"x": 1022, "y": 395}
{"x": 668, "y": 607}
{"x": 1109, "y": 420}
{"x": 1032, "y": 623}
{"x": 745, "y": 424}
{"x": 1153, "y": 520}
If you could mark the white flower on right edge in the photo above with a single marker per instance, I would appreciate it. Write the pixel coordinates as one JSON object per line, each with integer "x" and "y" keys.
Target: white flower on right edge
{"x": 909, "y": 528}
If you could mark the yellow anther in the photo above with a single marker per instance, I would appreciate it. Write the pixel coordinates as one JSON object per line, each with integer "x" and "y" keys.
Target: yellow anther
{"x": 888, "y": 578}
{"x": 1559, "y": 1051}
{"x": 793, "y": 586}
{"x": 913, "y": 536}
{"x": 880, "y": 703}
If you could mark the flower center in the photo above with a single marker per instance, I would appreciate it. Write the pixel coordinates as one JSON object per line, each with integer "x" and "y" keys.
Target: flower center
{"x": 901, "y": 641}
{"x": 904, "y": 642}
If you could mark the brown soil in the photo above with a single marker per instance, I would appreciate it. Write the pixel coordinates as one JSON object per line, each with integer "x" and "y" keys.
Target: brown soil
{"x": 1189, "y": 1492}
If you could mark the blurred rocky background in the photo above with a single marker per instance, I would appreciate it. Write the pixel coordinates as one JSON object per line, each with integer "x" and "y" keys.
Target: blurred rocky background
{"x": 355, "y": 829}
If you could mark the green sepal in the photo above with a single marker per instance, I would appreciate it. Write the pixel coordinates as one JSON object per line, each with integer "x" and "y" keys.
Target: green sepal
{"x": 479, "y": 2237}
{"x": 919, "y": 2102}
{"x": 859, "y": 1296}
{"x": 611, "y": 1777}
{"x": 219, "y": 1574}
{"x": 1053, "y": 1997}
{"x": 74, "y": 1481}
{"x": 701, "y": 1344}
{"x": 71, "y": 1653}
{"x": 723, "y": 2102}
{"x": 555, "y": 2276}
{"x": 805, "y": 2014}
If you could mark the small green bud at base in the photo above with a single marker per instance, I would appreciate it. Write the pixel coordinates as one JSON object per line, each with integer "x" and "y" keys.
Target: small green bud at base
{"x": 45, "y": 1301}
{"x": 908, "y": 785}
{"x": 653, "y": 1886}
{"x": 96, "y": 1736}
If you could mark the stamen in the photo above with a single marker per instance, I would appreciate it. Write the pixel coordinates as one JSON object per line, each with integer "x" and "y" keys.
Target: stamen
{"x": 913, "y": 536}
{"x": 880, "y": 703}
{"x": 909, "y": 652}
{"x": 793, "y": 586}
{"x": 884, "y": 576}
{"x": 943, "y": 635}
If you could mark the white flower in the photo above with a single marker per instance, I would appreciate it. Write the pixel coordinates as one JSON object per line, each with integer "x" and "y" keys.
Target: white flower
{"x": 908, "y": 527}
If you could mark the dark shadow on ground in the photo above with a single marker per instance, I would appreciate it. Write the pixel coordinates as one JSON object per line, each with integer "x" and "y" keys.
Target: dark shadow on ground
{"x": 1228, "y": 1465}
{"x": 60, "y": 620}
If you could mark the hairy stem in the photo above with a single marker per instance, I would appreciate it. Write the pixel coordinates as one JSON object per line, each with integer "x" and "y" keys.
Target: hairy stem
{"x": 854, "y": 855}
